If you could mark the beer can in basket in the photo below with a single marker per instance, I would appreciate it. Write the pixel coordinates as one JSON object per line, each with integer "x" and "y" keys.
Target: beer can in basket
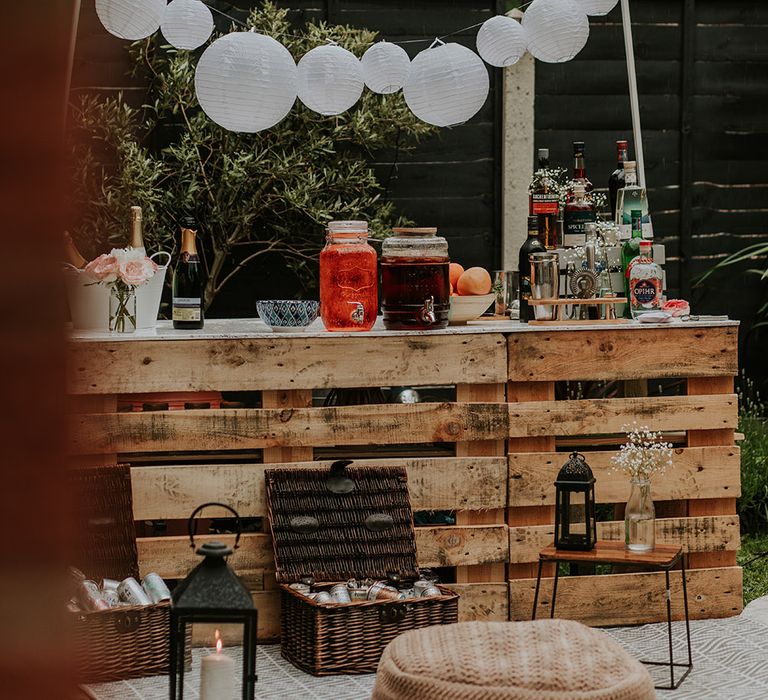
{"x": 130, "y": 591}
{"x": 302, "y": 588}
{"x": 381, "y": 591}
{"x": 431, "y": 590}
{"x": 89, "y": 596}
{"x": 155, "y": 588}
{"x": 340, "y": 593}
{"x": 323, "y": 597}
{"x": 110, "y": 597}
{"x": 109, "y": 584}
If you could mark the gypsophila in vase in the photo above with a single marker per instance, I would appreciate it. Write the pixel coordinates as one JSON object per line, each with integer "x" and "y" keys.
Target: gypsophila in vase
{"x": 642, "y": 456}
{"x": 122, "y": 270}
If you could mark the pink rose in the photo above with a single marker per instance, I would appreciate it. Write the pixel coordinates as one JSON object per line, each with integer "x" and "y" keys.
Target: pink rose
{"x": 677, "y": 307}
{"x": 105, "y": 268}
{"x": 136, "y": 272}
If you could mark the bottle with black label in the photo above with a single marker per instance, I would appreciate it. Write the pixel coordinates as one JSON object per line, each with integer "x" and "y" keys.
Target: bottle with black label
{"x": 579, "y": 211}
{"x": 532, "y": 244}
{"x": 188, "y": 281}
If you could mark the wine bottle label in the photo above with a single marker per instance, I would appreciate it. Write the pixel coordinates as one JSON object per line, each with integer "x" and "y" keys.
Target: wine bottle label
{"x": 575, "y": 227}
{"x": 187, "y": 308}
{"x": 545, "y": 203}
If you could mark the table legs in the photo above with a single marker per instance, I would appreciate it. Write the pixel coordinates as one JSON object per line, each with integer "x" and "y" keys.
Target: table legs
{"x": 538, "y": 586}
{"x": 536, "y": 595}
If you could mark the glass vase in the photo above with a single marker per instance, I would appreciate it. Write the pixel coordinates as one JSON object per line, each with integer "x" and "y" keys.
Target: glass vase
{"x": 640, "y": 518}
{"x": 122, "y": 309}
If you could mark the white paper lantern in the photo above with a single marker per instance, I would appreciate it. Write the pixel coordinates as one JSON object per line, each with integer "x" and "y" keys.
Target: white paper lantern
{"x": 187, "y": 24}
{"x": 131, "y": 19}
{"x": 330, "y": 79}
{"x": 385, "y": 67}
{"x": 246, "y": 81}
{"x": 556, "y": 29}
{"x": 501, "y": 41}
{"x": 447, "y": 85}
{"x": 597, "y": 7}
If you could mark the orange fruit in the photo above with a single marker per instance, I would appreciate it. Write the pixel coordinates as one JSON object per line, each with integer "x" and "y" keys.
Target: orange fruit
{"x": 474, "y": 281}
{"x": 454, "y": 272}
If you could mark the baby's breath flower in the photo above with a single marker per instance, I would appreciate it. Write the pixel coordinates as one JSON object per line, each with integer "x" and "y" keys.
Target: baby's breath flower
{"x": 644, "y": 453}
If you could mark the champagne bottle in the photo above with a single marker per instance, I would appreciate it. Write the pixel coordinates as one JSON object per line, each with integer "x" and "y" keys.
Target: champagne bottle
{"x": 72, "y": 254}
{"x": 137, "y": 238}
{"x": 187, "y": 281}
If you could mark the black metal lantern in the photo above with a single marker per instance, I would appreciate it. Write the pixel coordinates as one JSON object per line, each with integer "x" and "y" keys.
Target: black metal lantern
{"x": 213, "y": 594}
{"x": 575, "y": 526}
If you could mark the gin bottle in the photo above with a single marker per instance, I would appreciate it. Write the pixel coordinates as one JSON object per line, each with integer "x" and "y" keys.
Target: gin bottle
{"x": 645, "y": 282}
{"x": 629, "y": 198}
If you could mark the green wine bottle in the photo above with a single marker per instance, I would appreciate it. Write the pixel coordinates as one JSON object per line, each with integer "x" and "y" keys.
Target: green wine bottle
{"x": 188, "y": 303}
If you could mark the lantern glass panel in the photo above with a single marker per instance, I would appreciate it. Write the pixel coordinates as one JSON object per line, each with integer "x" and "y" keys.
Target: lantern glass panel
{"x": 575, "y": 526}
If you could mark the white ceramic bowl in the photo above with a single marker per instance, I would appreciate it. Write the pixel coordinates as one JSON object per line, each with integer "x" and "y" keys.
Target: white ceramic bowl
{"x": 469, "y": 308}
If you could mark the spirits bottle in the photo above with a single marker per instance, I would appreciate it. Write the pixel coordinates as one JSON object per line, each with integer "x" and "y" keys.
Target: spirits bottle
{"x": 137, "y": 237}
{"x": 187, "y": 312}
{"x": 579, "y": 211}
{"x": 645, "y": 282}
{"x": 532, "y": 244}
{"x": 579, "y": 171}
{"x": 616, "y": 180}
{"x": 632, "y": 197}
{"x": 629, "y": 251}
{"x": 544, "y": 201}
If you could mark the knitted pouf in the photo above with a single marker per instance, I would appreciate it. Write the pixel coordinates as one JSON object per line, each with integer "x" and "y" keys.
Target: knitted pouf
{"x": 541, "y": 660}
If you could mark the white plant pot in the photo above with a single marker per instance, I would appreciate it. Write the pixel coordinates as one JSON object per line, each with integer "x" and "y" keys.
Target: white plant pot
{"x": 148, "y": 296}
{"x": 89, "y": 303}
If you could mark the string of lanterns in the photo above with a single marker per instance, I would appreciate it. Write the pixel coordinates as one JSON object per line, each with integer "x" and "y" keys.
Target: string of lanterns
{"x": 248, "y": 82}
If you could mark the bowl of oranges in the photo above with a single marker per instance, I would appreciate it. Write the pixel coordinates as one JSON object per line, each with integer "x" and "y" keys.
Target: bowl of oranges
{"x": 470, "y": 293}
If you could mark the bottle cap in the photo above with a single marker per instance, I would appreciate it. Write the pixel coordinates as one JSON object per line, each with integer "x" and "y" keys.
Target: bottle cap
{"x": 543, "y": 153}
{"x": 578, "y": 148}
{"x": 622, "y": 143}
{"x": 645, "y": 244}
{"x": 188, "y": 222}
{"x": 533, "y": 224}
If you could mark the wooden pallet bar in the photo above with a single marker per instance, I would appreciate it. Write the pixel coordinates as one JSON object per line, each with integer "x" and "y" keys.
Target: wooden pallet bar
{"x": 490, "y": 456}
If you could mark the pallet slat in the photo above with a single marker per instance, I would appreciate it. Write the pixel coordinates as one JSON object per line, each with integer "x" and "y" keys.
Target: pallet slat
{"x": 169, "y": 492}
{"x": 294, "y": 363}
{"x": 702, "y": 534}
{"x": 574, "y": 355}
{"x": 223, "y": 429}
{"x": 631, "y": 599}
{"x": 697, "y": 472}
{"x": 173, "y": 558}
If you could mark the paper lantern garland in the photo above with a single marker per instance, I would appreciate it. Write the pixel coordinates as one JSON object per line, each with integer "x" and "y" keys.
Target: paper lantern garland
{"x": 330, "y": 79}
{"x": 187, "y": 24}
{"x": 501, "y": 41}
{"x": 597, "y": 7}
{"x": 447, "y": 85}
{"x": 131, "y": 19}
{"x": 385, "y": 67}
{"x": 246, "y": 81}
{"x": 556, "y": 29}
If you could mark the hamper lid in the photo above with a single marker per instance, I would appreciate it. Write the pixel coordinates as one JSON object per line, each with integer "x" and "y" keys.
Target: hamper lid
{"x": 341, "y": 522}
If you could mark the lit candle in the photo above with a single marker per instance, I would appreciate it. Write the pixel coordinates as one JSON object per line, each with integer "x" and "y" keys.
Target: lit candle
{"x": 217, "y": 675}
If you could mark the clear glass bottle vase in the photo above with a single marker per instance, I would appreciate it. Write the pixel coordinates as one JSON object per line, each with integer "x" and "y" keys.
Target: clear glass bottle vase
{"x": 122, "y": 309}
{"x": 640, "y": 517}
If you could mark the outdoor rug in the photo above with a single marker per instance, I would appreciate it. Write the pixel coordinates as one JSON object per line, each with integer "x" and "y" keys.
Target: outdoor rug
{"x": 730, "y": 662}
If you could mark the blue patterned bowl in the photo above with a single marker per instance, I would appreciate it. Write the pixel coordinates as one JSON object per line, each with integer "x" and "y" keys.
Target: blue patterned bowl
{"x": 286, "y": 315}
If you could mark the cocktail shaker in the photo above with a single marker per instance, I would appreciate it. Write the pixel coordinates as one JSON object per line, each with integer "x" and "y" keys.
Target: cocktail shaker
{"x": 545, "y": 283}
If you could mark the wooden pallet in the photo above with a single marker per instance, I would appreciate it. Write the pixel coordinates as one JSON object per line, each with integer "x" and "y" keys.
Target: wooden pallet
{"x": 502, "y": 429}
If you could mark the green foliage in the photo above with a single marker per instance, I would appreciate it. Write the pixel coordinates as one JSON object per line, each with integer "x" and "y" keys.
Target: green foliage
{"x": 753, "y": 503}
{"x": 271, "y": 192}
{"x": 755, "y": 570}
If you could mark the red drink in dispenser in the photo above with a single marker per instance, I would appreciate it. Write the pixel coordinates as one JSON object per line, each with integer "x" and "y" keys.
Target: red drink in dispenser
{"x": 348, "y": 278}
{"x": 415, "y": 282}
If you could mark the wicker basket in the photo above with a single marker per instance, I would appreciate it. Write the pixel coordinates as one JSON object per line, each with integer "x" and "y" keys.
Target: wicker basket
{"x": 318, "y": 519}
{"x": 125, "y": 642}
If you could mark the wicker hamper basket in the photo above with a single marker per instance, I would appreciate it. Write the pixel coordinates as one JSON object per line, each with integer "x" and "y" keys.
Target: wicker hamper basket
{"x": 336, "y": 525}
{"x": 124, "y": 642}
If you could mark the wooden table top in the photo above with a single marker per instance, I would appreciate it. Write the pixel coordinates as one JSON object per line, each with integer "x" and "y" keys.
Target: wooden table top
{"x": 664, "y": 556}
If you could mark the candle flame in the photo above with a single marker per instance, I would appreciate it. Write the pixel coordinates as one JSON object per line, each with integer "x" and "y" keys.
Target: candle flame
{"x": 218, "y": 642}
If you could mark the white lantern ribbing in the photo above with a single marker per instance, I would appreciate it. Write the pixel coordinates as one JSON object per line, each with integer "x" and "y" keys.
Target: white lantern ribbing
{"x": 131, "y": 19}
{"x": 385, "y": 67}
{"x": 187, "y": 24}
{"x": 501, "y": 41}
{"x": 330, "y": 79}
{"x": 447, "y": 85}
{"x": 246, "y": 81}
{"x": 556, "y": 29}
{"x": 597, "y": 7}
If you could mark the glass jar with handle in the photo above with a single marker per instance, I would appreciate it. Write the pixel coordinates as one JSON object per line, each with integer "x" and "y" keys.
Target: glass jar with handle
{"x": 348, "y": 278}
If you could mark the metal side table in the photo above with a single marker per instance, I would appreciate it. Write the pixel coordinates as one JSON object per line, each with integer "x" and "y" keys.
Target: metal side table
{"x": 663, "y": 557}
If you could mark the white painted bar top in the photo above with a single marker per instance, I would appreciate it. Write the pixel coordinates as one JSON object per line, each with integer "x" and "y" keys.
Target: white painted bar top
{"x": 223, "y": 328}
